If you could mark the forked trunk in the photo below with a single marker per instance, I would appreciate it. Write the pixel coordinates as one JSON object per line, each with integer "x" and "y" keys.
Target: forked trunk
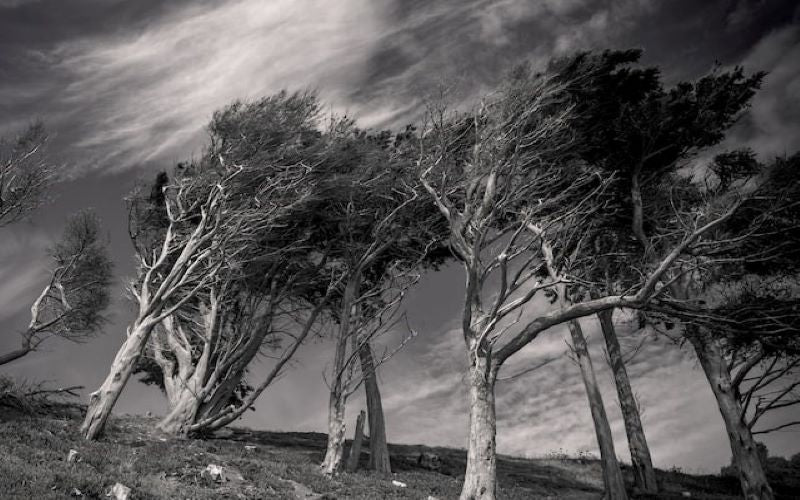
{"x": 480, "y": 479}
{"x": 643, "y": 471}
{"x": 102, "y": 401}
{"x": 612, "y": 475}
{"x": 378, "y": 448}
{"x": 182, "y": 415}
{"x": 743, "y": 447}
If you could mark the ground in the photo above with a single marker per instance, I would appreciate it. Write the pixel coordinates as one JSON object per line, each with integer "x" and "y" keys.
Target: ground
{"x": 270, "y": 465}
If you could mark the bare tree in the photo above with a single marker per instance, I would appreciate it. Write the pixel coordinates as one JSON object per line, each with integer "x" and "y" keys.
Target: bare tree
{"x": 509, "y": 183}
{"x": 72, "y": 304}
{"x": 25, "y": 174}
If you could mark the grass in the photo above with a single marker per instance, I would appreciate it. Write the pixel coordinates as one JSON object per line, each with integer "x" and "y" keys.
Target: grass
{"x": 34, "y": 450}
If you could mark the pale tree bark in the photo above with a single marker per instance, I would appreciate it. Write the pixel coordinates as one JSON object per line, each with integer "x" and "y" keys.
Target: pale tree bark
{"x": 612, "y": 475}
{"x": 751, "y": 472}
{"x": 337, "y": 399}
{"x": 378, "y": 447}
{"x": 355, "y": 448}
{"x": 644, "y": 474}
{"x": 480, "y": 479}
{"x": 102, "y": 401}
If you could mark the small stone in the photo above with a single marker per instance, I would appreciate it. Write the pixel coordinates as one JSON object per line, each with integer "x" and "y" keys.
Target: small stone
{"x": 149, "y": 414}
{"x": 399, "y": 484}
{"x": 119, "y": 492}
{"x": 212, "y": 472}
{"x": 686, "y": 494}
{"x": 76, "y": 492}
{"x": 249, "y": 447}
{"x": 72, "y": 456}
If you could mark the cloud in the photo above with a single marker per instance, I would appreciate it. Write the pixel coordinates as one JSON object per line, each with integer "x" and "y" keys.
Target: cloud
{"x": 772, "y": 126}
{"x": 146, "y": 95}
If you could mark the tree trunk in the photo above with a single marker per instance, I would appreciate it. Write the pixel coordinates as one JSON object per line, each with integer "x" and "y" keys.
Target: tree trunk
{"x": 14, "y": 355}
{"x": 336, "y": 427}
{"x": 355, "y": 448}
{"x": 378, "y": 448}
{"x": 643, "y": 472}
{"x": 612, "y": 475}
{"x": 480, "y": 479}
{"x": 182, "y": 415}
{"x": 743, "y": 447}
{"x": 102, "y": 401}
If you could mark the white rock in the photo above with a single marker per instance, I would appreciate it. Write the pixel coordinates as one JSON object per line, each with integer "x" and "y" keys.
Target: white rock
{"x": 399, "y": 484}
{"x": 76, "y": 492}
{"x": 213, "y": 472}
{"x": 73, "y": 456}
{"x": 119, "y": 492}
{"x": 249, "y": 447}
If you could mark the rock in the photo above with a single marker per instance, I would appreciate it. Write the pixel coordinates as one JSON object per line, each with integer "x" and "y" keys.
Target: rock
{"x": 76, "y": 493}
{"x": 249, "y": 447}
{"x": 429, "y": 461}
{"x": 149, "y": 414}
{"x": 213, "y": 472}
{"x": 119, "y": 492}
{"x": 431, "y": 497}
{"x": 686, "y": 494}
{"x": 399, "y": 484}
{"x": 222, "y": 474}
{"x": 73, "y": 456}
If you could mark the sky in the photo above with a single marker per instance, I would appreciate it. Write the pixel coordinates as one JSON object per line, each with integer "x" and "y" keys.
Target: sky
{"x": 126, "y": 88}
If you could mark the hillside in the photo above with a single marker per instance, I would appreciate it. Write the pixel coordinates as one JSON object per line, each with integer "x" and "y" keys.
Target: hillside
{"x": 258, "y": 464}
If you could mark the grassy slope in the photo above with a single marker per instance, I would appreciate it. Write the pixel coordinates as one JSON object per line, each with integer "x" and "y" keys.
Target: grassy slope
{"x": 33, "y": 464}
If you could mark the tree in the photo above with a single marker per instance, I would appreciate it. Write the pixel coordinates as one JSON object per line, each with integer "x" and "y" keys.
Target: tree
{"x": 274, "y": 285}
{"x": 72, "y": 304}
{"x": 381, "y": 231}
{"x": 25, "y": 174}
{"x": 641, "y": 133}
{"x": 523, "y": 206}
{"x": 736, "y": 304}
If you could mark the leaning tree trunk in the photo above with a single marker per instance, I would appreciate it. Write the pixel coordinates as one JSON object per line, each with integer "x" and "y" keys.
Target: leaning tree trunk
{"x": 743, "y": 447}
{"x": 14, "y": 355}
{"x": 480, "y": 479}
{"x": 612, "y": 475}
{"x": 644, "y": 474}
{"x": 102, "y": 401}
{"x": 378, "y": 448}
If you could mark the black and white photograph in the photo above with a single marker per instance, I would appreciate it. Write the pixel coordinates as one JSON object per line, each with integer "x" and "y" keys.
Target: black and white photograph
{"x": 399, "y": 249}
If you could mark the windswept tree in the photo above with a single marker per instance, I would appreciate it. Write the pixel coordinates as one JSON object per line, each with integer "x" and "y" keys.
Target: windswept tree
{"x": 25, "y": 174}
{"x": 525, "y": 207}
{"x": 381, "y": 231}
{"x": 72, "y": 304}
{"x": 640, "y": 135}
{"x": 736, "y": 304}
{"x": 267, "y": 297}
{"x": 209, "y": 222}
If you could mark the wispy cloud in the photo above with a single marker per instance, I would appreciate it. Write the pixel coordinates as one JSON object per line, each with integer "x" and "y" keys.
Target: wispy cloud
{"x": 147, "y": 95}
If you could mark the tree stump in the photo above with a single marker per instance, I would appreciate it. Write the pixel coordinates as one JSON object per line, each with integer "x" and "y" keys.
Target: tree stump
{"x": 355, "y": 448}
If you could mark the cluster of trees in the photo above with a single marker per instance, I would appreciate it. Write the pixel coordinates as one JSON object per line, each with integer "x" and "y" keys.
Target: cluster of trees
{"x": 590, "y": 184}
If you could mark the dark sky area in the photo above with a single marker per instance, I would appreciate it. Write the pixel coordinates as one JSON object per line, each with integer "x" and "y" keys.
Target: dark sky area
{"x": 126, "y": 87}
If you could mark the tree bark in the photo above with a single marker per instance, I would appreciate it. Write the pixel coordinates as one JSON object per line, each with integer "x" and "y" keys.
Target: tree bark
{"x": 378, "y": 447}
{"x": 181, "y": 416}
{"x": 355, "y": 448}
{"x": 480, "y": 479}
{"x": 752, "y": 477}
{"x": 612, "y": 475}
{"x": 642, "y": 463}
{"x": 103, "y": 399}
{"x": 14, "y": 355}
